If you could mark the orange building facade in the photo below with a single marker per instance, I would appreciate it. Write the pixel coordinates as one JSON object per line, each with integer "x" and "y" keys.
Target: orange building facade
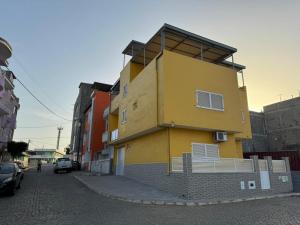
{"x": 94, "y": 127}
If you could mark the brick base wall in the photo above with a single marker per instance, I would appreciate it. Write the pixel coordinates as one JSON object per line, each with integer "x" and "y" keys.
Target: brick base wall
{"x": 157, "y": 175}
{"x": 227, "y": 186}
{"x": 205, "y": 186}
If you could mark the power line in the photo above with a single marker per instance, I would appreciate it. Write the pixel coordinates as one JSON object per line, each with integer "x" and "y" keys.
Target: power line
{"x": 46, "y": 126}
{"x": 41, "y": 103}
{"x": 38, "y": 137}
{"x": 20, "y": 64}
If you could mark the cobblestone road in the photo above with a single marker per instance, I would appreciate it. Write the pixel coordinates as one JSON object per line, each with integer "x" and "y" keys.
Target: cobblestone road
{"x": 59, "y": 199}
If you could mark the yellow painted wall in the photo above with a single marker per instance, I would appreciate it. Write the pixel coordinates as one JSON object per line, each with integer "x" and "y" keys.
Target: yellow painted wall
{"x": 113, "y": 121}
{"x": 181, "y": 140}
{"x": 115, "y": 104}
{"x": 135, "y": 69}
{"x": 173, "y": 90}
{"x": 246, "y": 124}
{"x": 151, "y": 148}
{"x": 140, "y": 102}
{"x": 182, "y": 77}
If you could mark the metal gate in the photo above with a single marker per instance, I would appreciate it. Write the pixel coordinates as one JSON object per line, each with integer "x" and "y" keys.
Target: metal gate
{"x": 264, "y": 174}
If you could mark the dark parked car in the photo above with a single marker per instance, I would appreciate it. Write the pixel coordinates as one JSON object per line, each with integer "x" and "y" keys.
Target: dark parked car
{"x": 76, "y": 165}
{"x": 10, "y": 178}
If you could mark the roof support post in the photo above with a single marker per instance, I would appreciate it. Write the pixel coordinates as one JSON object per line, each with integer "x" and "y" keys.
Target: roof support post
{"x": 232, "y": 60}
{"x": 243, "y": 78}
{"x": 162, "y": 40}
{"x": 124, "y": 60}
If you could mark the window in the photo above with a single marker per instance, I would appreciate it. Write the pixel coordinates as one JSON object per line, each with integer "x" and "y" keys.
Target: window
{"x": 205, "y": 151}
{"x": 124, "y": 116}
{"x": 209, "y": 100}
{"x": 243, "y": 117}
{"x": 125, "y": 90}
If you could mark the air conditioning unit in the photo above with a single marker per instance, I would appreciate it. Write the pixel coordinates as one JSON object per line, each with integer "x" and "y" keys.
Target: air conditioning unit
{"x": 220, "y": 136}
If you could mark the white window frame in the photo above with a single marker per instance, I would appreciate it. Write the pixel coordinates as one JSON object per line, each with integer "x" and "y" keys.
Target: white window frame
{"x": 124, "y": 116}
{"x": 210, "y": 103}
{"x": 205, "y": 158}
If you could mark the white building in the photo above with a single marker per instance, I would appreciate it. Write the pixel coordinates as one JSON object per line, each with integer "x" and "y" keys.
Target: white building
{"x": 9, "y": 103}
{"x": 45, "y": 155}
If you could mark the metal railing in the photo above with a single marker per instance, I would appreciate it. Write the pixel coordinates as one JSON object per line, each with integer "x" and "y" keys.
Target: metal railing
{"x": 114, "y": 134}
{"x": 106, "y": 112}
{"x": 105, "y": 136}
{"x": 278, "y": 166}
{"x": 222, "y": 165}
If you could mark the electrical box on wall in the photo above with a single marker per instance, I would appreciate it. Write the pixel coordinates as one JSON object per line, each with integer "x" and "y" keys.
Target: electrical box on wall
{"x": 284, "y": 179}
{"x": 251, "y": 184}
{"x": 220, "y": 136}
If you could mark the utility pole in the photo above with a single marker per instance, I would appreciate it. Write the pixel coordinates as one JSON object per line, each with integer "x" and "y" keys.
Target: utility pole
{"x": 28, "y": 144}
{"x": 58, "y": 136}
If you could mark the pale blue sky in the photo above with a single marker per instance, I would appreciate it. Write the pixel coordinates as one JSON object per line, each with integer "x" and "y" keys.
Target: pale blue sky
{"x": 59, "y": 43}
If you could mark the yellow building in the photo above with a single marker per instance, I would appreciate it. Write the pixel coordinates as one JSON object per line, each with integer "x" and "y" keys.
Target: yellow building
{"x": 177, "y": 94}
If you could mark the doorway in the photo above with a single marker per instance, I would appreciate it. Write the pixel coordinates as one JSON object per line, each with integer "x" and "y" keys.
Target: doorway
{"x": 120, "y": 162}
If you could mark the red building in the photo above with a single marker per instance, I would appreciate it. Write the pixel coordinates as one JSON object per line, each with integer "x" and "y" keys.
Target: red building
{"x": 95, "y": 125}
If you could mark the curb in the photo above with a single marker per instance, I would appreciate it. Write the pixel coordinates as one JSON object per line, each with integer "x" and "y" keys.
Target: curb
{"x": 183, "y": 202}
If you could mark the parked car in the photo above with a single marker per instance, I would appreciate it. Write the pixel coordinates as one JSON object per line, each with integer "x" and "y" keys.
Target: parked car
{"x": 76, "y": 165}
{"x": 63, "y": 164}
{"x": 10, "y": 178}
{"x": 21, "y": 167}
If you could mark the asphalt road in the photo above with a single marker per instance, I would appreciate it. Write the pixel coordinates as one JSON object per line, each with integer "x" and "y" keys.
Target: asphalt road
{"x": 59, "y": 199}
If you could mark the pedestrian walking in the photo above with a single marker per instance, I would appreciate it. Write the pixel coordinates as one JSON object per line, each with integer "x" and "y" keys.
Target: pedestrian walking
{"x": 39, "y": 166}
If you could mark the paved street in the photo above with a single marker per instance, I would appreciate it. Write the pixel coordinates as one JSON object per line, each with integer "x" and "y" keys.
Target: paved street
{"x": 59, "y": 199}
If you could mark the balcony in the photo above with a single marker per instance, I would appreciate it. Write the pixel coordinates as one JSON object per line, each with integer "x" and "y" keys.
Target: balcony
{"x": 6, "y": 106}
{"x": 8, "y": 77}
{"x": 5, "y": 52}
{"x": 105, "y": 112}
{"x": 115, "y": 135}
{"x": 105, "y": 137}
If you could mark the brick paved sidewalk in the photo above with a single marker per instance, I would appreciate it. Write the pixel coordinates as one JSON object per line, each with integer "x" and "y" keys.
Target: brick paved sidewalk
{"x": 124, "y": 188}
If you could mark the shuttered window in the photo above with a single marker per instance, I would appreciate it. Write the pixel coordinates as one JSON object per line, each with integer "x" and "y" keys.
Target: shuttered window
{"x": 209, "y": 100}
{"x": 205, "y": 151}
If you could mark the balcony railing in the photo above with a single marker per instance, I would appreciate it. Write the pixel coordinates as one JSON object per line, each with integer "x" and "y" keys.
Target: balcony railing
{"x": 222, "y": 165}
{"x": 115, "y": 135}
{"x": 6, "y": 105}
{"x": 279, "y": 166}
{"x": 106, "y": 112}
{"x": 105, "y": 137}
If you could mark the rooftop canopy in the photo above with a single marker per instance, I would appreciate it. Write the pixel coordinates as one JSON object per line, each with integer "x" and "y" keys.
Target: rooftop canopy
{"x": 183, "y": 42}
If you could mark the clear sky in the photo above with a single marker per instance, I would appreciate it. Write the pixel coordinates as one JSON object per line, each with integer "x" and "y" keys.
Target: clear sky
{"x": 59, "y": 43}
